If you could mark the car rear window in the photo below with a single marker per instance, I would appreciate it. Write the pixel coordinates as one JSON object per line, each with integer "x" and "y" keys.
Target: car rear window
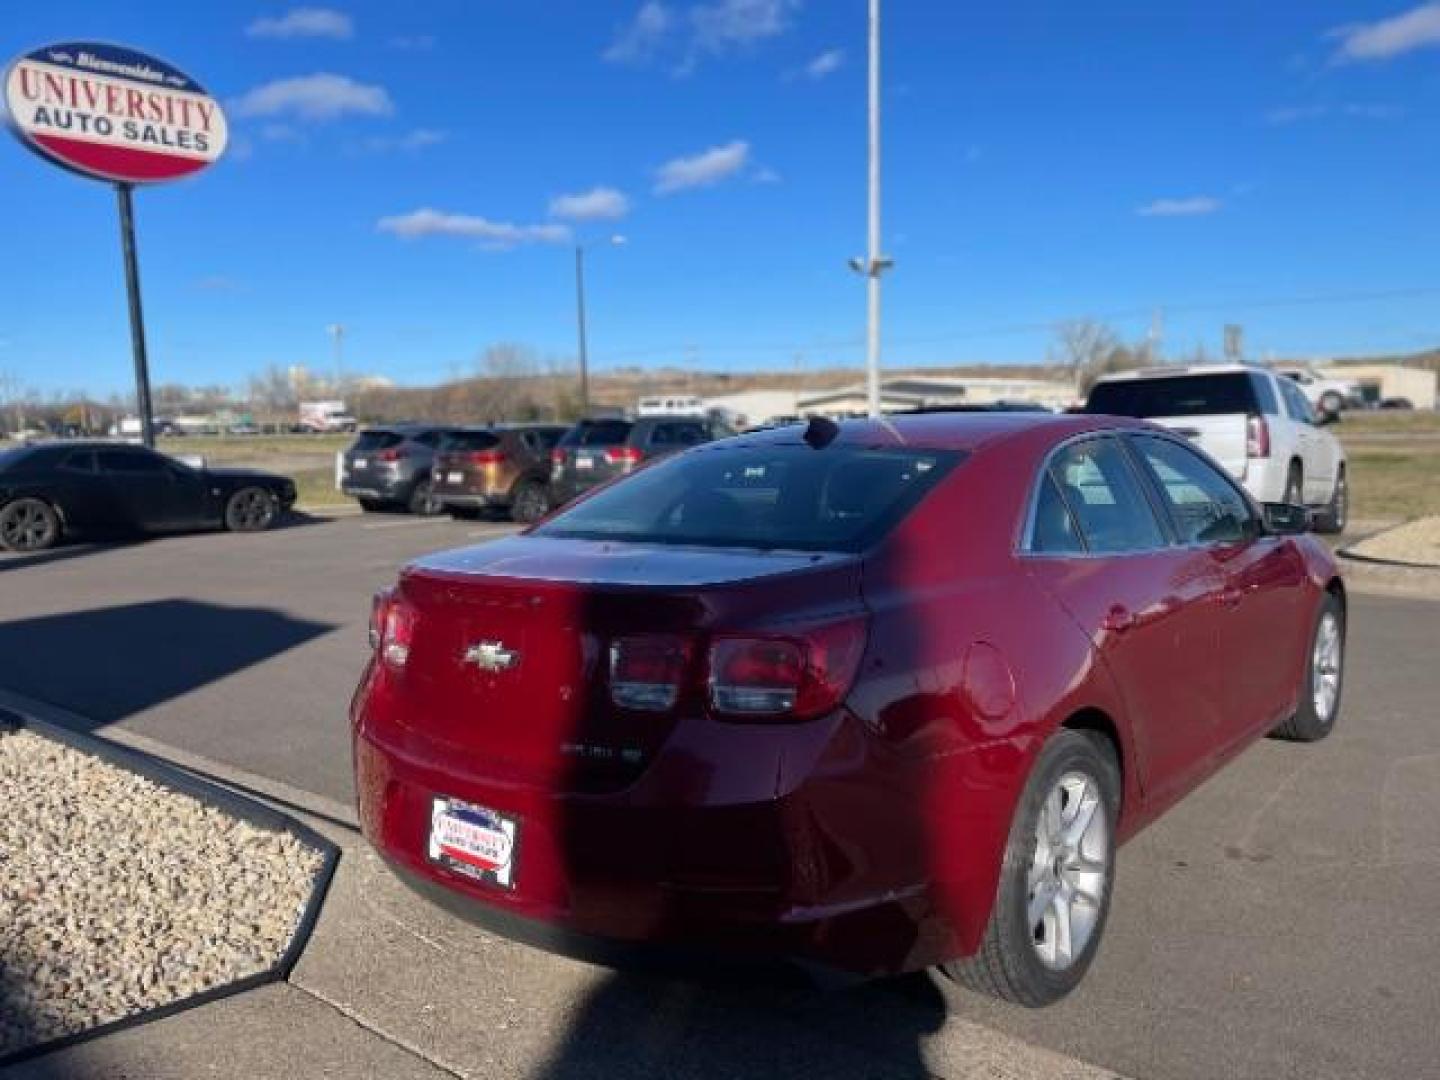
{"x": 1183, "y": 395}
{"x": 370, "y": 441}
{"x": 840, "y": 499}
{"x": 598, "y": 433}
{"x": 466, "y": 441}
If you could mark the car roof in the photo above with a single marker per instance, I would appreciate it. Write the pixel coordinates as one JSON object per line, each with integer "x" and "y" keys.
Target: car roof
{"x": 1180, "y": 371}
{"x": 946, "y": 431}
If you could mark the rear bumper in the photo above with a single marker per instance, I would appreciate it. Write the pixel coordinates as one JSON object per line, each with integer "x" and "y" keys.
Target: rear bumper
{"x": 469, "y": 500}
{"x": 376, "y": 489}
{"x": 801, "y": 878}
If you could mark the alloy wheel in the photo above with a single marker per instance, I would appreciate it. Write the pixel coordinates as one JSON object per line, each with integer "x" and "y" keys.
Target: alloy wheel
{"x": 251, "y": 510}
{"x": 1325, "y": 667}
{"x": 1069, "y": 870}
{"x": 27, "y": 525}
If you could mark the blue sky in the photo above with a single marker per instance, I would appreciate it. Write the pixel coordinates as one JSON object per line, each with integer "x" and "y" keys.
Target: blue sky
{"x": 419, "y": 172}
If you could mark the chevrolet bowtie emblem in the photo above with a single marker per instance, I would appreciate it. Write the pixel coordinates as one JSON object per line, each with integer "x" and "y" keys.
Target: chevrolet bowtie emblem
{"x": 491, "y": 656}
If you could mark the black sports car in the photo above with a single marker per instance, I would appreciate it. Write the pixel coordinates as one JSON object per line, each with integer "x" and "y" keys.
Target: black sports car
{"x": 53, "y": 490}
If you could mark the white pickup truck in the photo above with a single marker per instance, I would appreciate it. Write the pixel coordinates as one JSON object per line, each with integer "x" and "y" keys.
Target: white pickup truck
{"x": 1257, "y": 424}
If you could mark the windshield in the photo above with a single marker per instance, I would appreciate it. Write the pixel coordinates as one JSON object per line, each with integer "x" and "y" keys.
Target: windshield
{"x": 841, "y": 499}
{"x": 12, "y": 457}
{"x": 1186, "y": 395}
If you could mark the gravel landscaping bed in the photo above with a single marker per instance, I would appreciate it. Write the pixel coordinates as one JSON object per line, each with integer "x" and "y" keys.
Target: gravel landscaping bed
{"x": 118, "y": 895}
{"x": 1417, "y": 543}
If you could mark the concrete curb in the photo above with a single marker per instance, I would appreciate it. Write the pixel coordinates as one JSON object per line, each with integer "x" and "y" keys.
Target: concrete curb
{"x": 15, "y": 713}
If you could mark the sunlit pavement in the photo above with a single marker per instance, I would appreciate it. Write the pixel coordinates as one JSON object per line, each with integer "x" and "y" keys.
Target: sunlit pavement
{"x": 1276, "y": 924}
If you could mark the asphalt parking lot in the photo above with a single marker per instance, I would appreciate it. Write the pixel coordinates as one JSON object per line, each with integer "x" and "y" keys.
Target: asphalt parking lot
{"x": 1278, "y": 923}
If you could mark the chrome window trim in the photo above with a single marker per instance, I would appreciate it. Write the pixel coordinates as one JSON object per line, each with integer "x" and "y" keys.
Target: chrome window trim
{"x": 1025, "y": 547}
{"x": 1256, "y": 516}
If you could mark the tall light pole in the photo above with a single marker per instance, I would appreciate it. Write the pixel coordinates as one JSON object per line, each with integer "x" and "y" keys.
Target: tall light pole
{"x": 614, "y": 241}
{"x": 874, "y": 264}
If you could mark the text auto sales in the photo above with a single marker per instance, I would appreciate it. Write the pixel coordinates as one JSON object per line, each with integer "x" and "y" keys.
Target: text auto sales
{"x": 82, "y": 106}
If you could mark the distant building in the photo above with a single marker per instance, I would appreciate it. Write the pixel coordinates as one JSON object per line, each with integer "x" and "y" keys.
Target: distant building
{"x": 1387, "y": 382}
{"x": 912, "y": 392}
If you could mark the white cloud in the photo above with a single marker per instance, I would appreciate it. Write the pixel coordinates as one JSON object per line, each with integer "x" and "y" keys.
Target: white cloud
{"x": 491, "y": 234}
{"x": 281, "y": 133}
{"x": 1190, "y": 207}
{"x": 304, "y": 22}
{"x": 315, "y": 97}
{"x": 1417, "y": 28}
{"x": 726, "y": 23}
{"x": 703, "y": 169}
{"x": 411, "y": 141}
{"x": 827, "y": 63}
{"x": 597, "y": 204}
{"x": 642, "y": 38}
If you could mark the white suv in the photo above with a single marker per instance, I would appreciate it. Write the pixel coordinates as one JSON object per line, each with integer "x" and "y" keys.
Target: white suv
{"x": 1257, "y": 424}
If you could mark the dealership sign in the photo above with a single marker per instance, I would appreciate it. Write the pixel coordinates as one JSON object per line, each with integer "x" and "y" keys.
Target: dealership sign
{"x": 113, "y": 113}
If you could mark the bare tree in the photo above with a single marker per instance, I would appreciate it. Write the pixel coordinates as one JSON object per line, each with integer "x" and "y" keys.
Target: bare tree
{"x": 1084, "y": 346}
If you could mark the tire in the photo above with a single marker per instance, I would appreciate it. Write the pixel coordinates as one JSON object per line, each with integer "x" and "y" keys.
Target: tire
{"x": 372, "y": 506}
{"x": 251, "y": 509}
{"x": 423, "y": 502}
{"x": 28, "y": 525}
{"x": 1295, "y": 485}
{"x": 1337, "y": 512}
{"x": 1331, "y": 402}
{"x": 1023, "y": 959}
{"x": 1319, "y": 705}
{"x": 529, "y": 503}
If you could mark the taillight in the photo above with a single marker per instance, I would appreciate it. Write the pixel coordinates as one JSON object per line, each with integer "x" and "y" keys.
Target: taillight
{"x": 647, "y": 671}
{"x": 786, "y": 677}
{"x": 487, "y": 457}
{"x": 393, "y": 454}
{"x": 1257, "y": 437}
{"x": 557, "y": 457}
{"x": 392, "y": 628}
{"x": 623, "y": 455}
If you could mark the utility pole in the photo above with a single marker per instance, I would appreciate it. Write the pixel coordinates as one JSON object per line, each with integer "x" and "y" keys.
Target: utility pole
{"x": 337, "y": 333}
{"x": 874, "y": 264}
{"x": 580, "y": 327}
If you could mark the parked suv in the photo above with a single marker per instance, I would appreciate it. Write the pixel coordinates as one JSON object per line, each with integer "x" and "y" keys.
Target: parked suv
{"x": 594, "y": 451}
{"x": 393, "y": 467}
{"x": 1256, "y": 423}
{"x": 502, "y": 468}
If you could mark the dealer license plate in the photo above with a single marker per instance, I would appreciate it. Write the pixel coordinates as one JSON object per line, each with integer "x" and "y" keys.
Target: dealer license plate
{"x": 473, "y": 841}
{"x": 358, "y": 463}
{"x": 457, "y": 478}
{"x": 584, "y": 463}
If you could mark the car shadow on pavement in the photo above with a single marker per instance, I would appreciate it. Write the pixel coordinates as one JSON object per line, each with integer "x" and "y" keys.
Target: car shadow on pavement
{"x": 63, "y": 553}
{"x": 110, "y": 663}
{"x": 639, "y": 1025}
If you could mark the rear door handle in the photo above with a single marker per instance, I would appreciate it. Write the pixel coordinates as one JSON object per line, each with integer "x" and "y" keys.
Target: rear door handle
{"x": 1118, "y": 619}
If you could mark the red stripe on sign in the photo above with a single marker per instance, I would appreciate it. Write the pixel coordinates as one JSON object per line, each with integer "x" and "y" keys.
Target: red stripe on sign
{"x": 118, "y": 162}
{"x": 466, "y": 857}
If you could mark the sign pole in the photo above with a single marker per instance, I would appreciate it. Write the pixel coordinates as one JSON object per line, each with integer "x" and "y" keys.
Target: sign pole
{"x": 137, "y": 315}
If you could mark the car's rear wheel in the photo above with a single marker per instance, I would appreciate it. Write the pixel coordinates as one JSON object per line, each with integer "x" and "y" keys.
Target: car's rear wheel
{"x": 251, "y": 509}
{"x": 1319, "y": 703}
{"x": 529, "y": 503}
{"x": 372, "y": 506}
{"x": 423, "y": 501}
{"x": 28, "y": 525}
{"x": 1331, "y": 403}
{"x": 1337, "y": 512}
{"x": 1056, "y": 878}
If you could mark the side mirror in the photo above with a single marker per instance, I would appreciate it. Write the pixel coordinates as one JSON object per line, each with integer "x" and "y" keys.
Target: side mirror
{"x": 1286, "y": 519}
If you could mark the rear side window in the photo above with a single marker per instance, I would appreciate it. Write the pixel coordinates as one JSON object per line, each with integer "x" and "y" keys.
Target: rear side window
{"x": 1181, "y": 395}
{"x": 1104, "y": 494}
{"x": 1054, "y": 531}
{"x": 1297, "y": 404}
{"x": 128, "y": 461}
{"x": 1264, "y": 388}
{"x": 463, "y": 442}
{"x": 841, "y": 499}
{"x": 1203, "y": 504}
{"x": 370, "y": 441}
{"x": 598, "y": 433}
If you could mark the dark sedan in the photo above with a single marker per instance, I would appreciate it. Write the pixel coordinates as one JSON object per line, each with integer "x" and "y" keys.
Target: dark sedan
{"x": 56, "y": 490}
{"x": 873, "y": 696}
{"x": 594, "y": 451}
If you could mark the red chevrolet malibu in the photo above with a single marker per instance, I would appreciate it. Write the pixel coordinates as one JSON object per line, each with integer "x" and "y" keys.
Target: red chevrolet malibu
{"x": 866, "y": 698}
